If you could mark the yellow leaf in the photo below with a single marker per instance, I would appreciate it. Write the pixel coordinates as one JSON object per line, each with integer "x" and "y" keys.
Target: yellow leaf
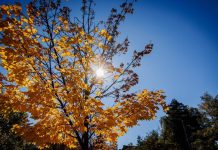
{"x": 98, "y": 93}
{"x": 116, "y": 77}
{"x": 103, "y": 32}
{"x": 28, "y": 30}
{"x": 95, "y": 30}
{"x": 45, "y": 39}
{"x": 100, "y": 45}
{"x": 109, "y": 38}
{"x": 66, "y": 54}
{"x": 34, "y": 31}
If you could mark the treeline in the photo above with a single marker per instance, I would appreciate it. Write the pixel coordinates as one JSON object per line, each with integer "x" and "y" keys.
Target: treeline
{"x": 184, "y": 128}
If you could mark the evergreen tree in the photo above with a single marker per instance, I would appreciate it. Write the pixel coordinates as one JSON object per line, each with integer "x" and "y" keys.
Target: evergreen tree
{"x": 208, "y": 136}
{"x": 180, "y": 125}
{"x": 8, "y": 139}
{"x": 185, "y": 128}
{"x": 150, "y": 142}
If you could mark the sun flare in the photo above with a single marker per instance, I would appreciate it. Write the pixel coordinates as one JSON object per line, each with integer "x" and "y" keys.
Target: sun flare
{"x": 100, "y": 72}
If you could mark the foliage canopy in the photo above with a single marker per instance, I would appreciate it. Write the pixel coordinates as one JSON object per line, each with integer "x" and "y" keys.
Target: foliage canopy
{"x": 50, "y": 60}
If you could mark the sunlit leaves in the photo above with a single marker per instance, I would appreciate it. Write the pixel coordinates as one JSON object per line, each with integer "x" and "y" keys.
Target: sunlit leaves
{"x": 51, "y": 63}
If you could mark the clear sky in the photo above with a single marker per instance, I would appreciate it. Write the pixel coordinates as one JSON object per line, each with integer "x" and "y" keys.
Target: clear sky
{"x": 184, "y": 62}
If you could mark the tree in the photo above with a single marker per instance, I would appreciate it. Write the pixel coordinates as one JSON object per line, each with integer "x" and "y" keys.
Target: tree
{"x": 185, "y": 127}
{"x": 150, "y": 142}
{"x": 180, "y": 125}
{"x": 60, "y": 70}
{"x": 8, "y": 139}
{"x": 208, "y": 136}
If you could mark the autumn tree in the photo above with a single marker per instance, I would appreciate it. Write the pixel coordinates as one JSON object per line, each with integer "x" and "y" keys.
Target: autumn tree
{"x": 60, "y": 69}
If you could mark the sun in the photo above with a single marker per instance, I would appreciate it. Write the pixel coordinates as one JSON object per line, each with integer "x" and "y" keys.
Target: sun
{"x": 100, "y": 72}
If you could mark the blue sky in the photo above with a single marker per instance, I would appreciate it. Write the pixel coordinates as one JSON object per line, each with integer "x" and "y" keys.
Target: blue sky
{"x": 184, "y": 62}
